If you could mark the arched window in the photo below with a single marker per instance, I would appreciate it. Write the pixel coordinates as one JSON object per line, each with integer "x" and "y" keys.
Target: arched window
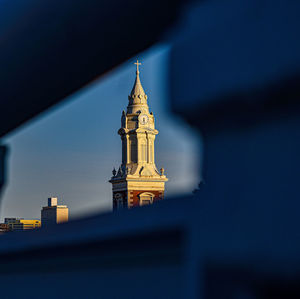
{"x": 146, "y": 198}
{"x": 119, "y": 200}
{"x": 151, "y": 152}
{"x": 124, "y": 153}
{"x": 133, "y": 150}
{"x": 144, "y": 151}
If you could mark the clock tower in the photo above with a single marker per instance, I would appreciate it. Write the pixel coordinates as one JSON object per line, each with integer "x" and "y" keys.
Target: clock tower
{"x": 137, "y": 181}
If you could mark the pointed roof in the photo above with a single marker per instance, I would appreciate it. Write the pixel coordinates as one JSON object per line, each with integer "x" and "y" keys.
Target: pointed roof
{"x": 137, "y": 90}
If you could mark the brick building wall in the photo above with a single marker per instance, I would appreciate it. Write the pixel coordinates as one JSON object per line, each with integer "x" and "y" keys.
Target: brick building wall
{"x": 134, "y": 199}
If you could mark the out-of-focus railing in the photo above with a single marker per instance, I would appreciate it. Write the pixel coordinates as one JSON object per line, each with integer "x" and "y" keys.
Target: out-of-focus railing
{"x": 234, "y": 74}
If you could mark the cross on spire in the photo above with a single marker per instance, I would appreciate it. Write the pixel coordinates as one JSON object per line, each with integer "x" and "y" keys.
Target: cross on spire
{"x": 137, "y": 63}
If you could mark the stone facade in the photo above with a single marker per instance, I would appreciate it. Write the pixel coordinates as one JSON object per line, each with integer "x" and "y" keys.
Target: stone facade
{"x": 137, "y": 181}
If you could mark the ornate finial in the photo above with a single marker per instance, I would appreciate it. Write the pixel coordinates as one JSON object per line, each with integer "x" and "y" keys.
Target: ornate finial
{"x": 162, "y": 171}
{"x": 114, "y": 172}
{"x": 119, "y": 172}
{"x": 137, "y": 66}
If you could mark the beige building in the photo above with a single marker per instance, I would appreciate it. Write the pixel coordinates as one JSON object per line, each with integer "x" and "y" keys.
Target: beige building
{"x": 19, "y": 224}
{"x": 54, "y": 213}
{"x": 137, "y": 181}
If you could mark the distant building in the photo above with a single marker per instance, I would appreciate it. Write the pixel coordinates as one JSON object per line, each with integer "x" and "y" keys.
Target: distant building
{"x": 137, "y": 181}
{"x": 4, "y": 228}
{"x": 19, "y": 224}
{"x": 54, "y": 213}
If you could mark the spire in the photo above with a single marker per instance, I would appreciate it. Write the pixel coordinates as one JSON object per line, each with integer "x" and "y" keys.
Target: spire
{"x": 137, "y": 90}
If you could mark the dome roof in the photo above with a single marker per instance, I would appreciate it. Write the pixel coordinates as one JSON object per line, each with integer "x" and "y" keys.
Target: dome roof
{"x": 137, "y": 95}
{"x": 137, "y": 89}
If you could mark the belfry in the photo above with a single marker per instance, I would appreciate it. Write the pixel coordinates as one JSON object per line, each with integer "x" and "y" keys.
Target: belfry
{"x": 137, "y": 181}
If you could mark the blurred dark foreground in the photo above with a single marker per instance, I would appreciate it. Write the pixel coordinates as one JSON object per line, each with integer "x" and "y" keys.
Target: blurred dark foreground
{"x": 234, "y": 75}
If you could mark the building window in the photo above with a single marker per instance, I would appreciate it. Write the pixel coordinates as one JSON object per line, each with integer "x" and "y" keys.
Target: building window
{"x": 144, "y": 152}
{"x": 151, "y": 153}
{"x": 146, "y": 198}
{"x": 133, "y": 150}
{"x": 124, "y": 157}
{"x": 119, "y": 200}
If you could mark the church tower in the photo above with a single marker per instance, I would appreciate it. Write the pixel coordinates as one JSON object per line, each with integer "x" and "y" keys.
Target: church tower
{"x": 137, "y": 181}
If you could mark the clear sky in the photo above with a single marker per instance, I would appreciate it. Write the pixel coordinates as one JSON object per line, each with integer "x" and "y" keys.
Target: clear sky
{"x": 70, "y": 151}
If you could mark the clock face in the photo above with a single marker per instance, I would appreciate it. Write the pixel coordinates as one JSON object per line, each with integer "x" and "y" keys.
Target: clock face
{"x": 143, "y": 118}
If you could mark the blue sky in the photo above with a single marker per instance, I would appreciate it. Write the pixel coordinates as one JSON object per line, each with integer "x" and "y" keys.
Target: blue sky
{"x": 70, "y": 151}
